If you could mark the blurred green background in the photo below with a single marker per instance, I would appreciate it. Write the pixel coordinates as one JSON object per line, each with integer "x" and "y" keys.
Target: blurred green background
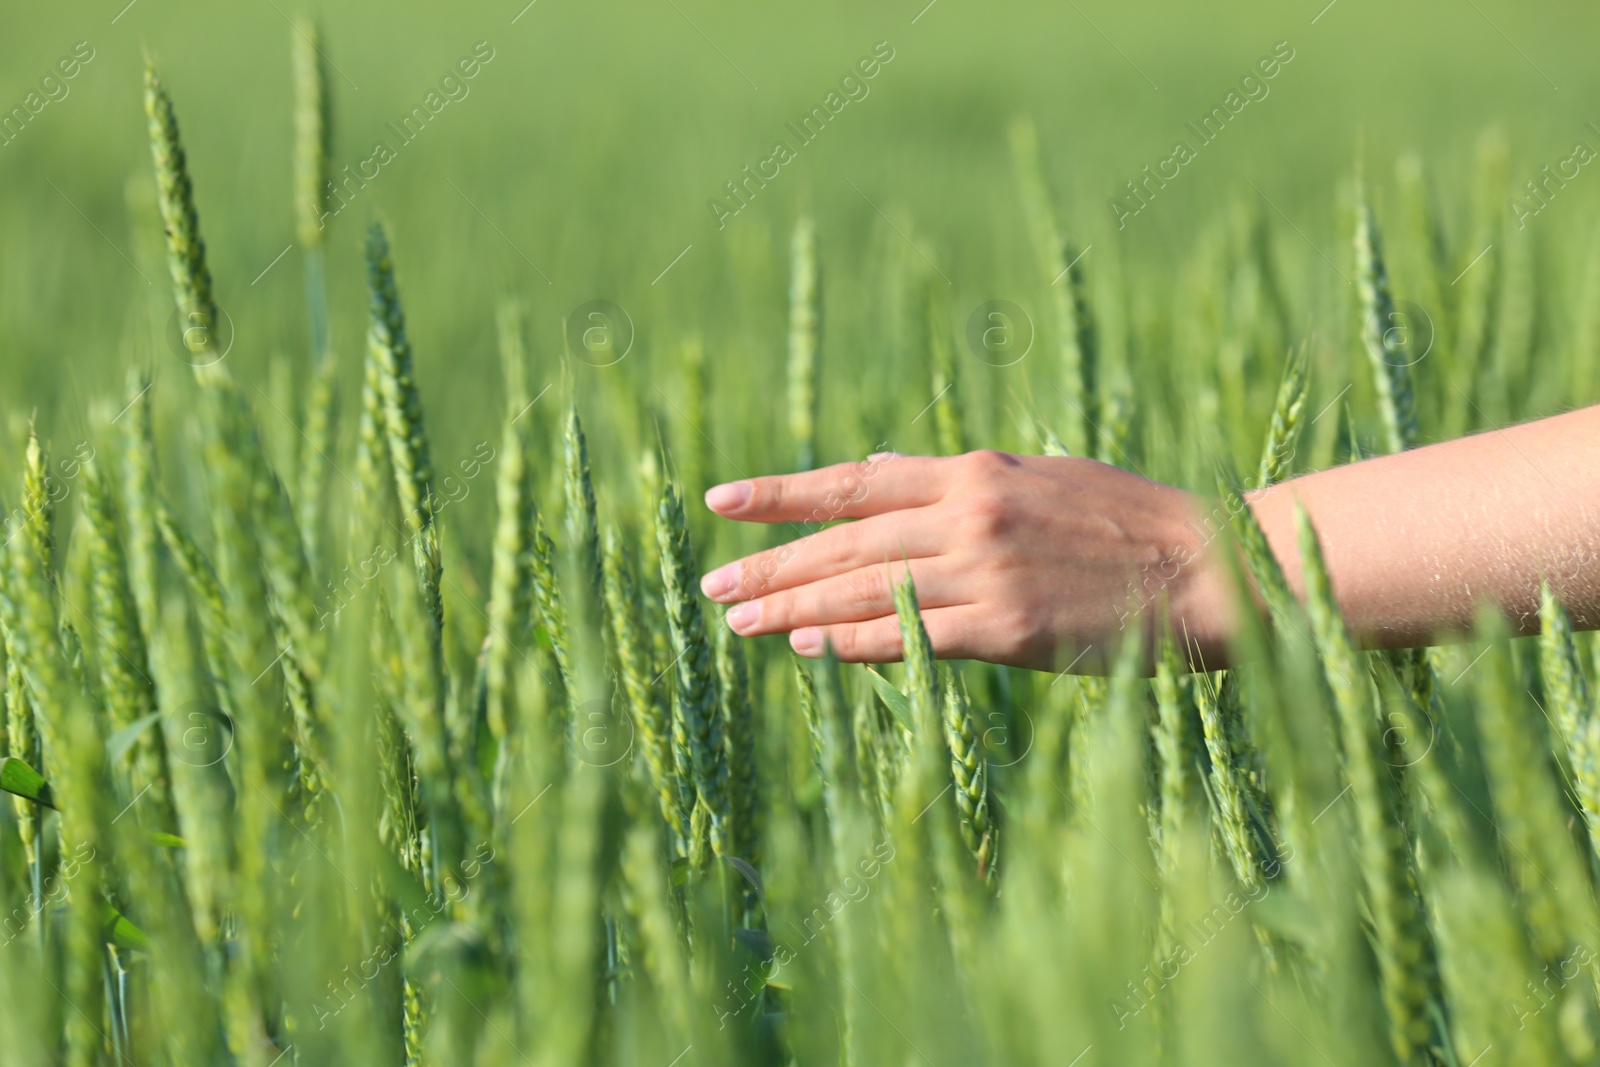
{"x": 584, "y": 157}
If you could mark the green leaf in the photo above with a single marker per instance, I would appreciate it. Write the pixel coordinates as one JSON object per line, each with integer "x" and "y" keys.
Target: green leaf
{"x": 19, "y": 778}
{"x": 751, "y": 875}
{"x": 119, "y": 931}
{"x": 166, "y": 840}
{"x": 117, "y": 744}
{"x": 892, "y": 698}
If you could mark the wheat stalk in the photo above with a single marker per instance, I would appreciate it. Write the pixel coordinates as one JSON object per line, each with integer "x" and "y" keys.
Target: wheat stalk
{"x": 1529, "y": 809}
{"x": 22, "y": 733}
{"x": 547, "y": 597}
{"x": 582, "y": 524}
{"x": 805, "y": 331}
{"x": 313, "y": 134}
{"x": 125, "y": 672}
{"x": 947, "y": 424}
{"x": 1568, "y": 701}
{"x": 698, "y": 715}
{"x": 1379, "y": 325}
{"x": 652, "y": 712}
{"x": 389, "y": 352}
{"x": 1400, "y": 932}
{"x": 1277, "y": 454}
{"x": 1177, "y": 752}
{"x": 739, "y": 729}
{"x": 1062, "y": 260}
{"x": 969, "y": 772}
{"x": 510, "y": 580}
{"x": 75, "y": 757}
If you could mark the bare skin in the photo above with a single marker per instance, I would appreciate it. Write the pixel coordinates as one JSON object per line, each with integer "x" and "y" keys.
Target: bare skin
{"x": 1044, "y": 562}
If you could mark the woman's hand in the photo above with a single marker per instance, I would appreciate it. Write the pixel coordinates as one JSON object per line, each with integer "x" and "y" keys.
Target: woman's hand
{"x": 1032, "y": 561}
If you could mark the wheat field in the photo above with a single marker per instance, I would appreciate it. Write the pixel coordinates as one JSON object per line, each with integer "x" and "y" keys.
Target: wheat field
{"x": 361, "y": 704}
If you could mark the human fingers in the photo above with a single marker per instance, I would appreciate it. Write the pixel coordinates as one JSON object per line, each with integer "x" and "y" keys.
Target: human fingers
{"x": 883, "y": 482}
{"x": 955, "y": 633}
{"x": 881, "y": 539}
{"x": 855, "y": 596}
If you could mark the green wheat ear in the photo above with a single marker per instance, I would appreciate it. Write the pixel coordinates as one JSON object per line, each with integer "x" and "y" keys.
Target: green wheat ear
{"x": 1061, "y": 265}
{"x": 1483, "y": 950}
{"x": 1530, "y": 811}
{"x": 510, "y": 581}
{"x": 547, "y": 597}
{"x": 1567, "y": 699}
{"x": 1277, "y": 454}
{"x": 1400, "y": 931}
{"x": 22, "y": 727}
{"x": 1176, "y": 742}
{"x": 125, "y": 673}
{"x": 1238, "y": 796}
{"x": 699, "y": 717}
{"x": 969, "y": 772}
{"x": 922, "y": 681}
{"x": 805, "y": 331}
{"x": 1390, "y": 362}
{"x": 1262, "y": 565}
{"x": 186, "y": 249}
{"x": 651, "y": 708}
{"x": 582, "y": 523}
{"x": 138, "y": 489}
{"x": 947, "y": 423}
{"x": 739, "y": 728}
{"x": 74, "y": 758}
{"x": 313, "y": 134}
{"x": 389, "y": 355}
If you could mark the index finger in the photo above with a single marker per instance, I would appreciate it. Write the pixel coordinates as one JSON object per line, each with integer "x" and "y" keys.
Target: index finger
{"x": 886, "y": 481}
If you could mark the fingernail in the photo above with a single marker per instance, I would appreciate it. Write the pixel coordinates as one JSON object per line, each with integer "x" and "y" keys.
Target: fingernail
{"x": 722, "y": 581}
{"x": 743, "y": 616}
{"x": 728, "y": 497}
{"x": 807, "y": 641}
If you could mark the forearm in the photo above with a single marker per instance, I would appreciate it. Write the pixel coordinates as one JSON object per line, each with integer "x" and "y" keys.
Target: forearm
{"x": 1415, "y": 541}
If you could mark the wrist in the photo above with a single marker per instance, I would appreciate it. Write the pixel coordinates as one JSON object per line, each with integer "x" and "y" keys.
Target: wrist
{"x": 1215, "y": 589}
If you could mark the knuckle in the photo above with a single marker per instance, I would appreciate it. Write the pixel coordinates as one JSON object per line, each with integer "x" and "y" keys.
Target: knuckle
{"x": 988, "y": 461}
{"x": 987, "y": 513}
{"x": 844, "y": 641}
{"x": 868, "y": 590}
{"x": 841, "y": 545}
{"x": 778, "y": 612}
{"x": 766, "y": 494}
{"x": 1020, "y": 622}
